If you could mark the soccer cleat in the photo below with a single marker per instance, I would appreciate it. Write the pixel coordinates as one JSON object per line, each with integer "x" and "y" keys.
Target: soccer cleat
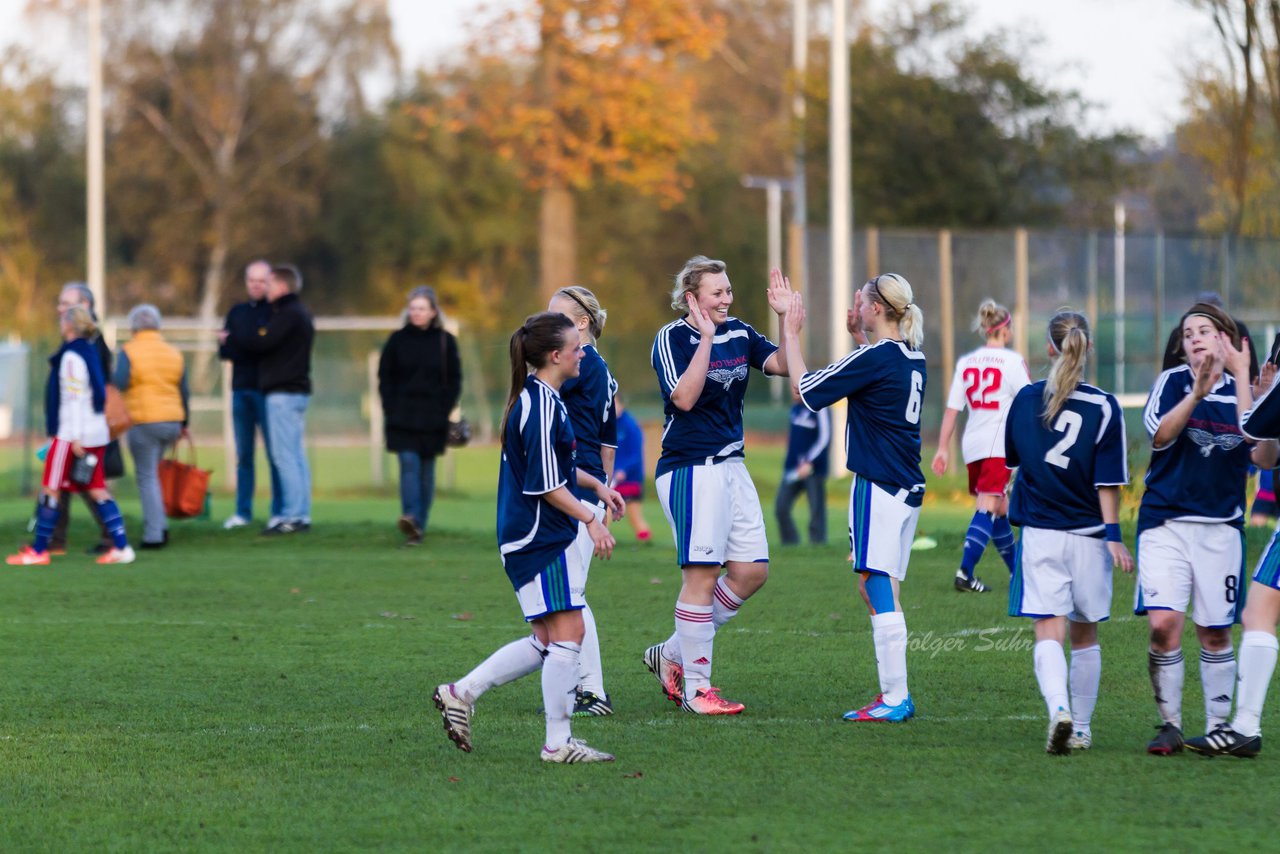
{"x": 1080, "y": 740}
{"x": 457, "y": 716}
{"x": 1059, "y": 741}
{"x": 670, "y": 675}
{"x": 879, "y": 710}
{"x": 1224, "y": 741}
{"x": 964, "y": 584}
{"x": 235, "y": 520}
{"x": 118, "y": 556}
{"x": 1167, "y": 741}
{"x": 28, "y": 556}
{"x": 707, "y": 701}
{"x": 573, "y": 752}
{"x": 590, "y": 704}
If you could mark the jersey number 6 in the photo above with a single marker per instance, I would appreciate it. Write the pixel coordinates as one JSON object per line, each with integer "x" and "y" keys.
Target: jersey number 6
{"x": 913, "y": 402}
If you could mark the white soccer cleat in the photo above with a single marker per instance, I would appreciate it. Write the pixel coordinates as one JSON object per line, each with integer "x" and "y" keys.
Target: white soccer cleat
{"x": 573, "y": 752}
{"x": 457, "y": 716}
{"x": 670, "y": 674}
{"x": 1059, "y": 741}
{"x": 235, "y": 520}
{"x": 1080, "y": 740}
{"x": 119, "y": 556}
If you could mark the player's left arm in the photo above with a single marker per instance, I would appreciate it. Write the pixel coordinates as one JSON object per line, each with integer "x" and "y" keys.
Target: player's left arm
{"x": 779, "y": 294}
{"x": 1109, "y": 504}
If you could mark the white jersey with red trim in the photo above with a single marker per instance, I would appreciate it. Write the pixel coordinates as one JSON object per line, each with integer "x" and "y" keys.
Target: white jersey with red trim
{"x": 986, "y": 381}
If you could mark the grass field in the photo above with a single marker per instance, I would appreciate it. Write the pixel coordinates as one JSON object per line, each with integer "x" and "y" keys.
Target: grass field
{"x": 237, "y": 693}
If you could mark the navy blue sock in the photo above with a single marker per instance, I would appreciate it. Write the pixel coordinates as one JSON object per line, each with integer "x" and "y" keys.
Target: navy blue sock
{"x": 975, "y": 541}
{"x": 109, "y": 513}
{"x": 1002, "y": 536}
{"x": 46, "y": 520}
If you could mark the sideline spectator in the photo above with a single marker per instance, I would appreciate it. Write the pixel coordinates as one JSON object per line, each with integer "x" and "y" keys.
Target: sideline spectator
{"x": 629, "y": 471}
{"x": 284, "y": 375}
{"x": 805, "y": 470}
{"x": 151, "y": 374}
{"x": 419, "y": 382}
{"x": 248, "y": 406}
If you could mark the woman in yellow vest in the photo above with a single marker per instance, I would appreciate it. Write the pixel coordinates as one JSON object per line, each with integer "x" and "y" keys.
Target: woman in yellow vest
{"x": 151, "y": 374}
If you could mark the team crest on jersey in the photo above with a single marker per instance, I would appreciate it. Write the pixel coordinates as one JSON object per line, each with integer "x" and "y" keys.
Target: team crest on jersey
{"x": 1207, "y": 441}
{"x": 727, "y": 376}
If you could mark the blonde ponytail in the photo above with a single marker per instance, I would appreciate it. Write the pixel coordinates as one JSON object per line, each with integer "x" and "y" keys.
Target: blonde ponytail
{"x": 991, "y": 316}
{"x": 895, "y": 294}
{"x": 1069, "y": 335}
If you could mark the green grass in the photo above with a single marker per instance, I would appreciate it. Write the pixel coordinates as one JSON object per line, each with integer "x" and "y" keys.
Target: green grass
{"x": 235, "y": 693}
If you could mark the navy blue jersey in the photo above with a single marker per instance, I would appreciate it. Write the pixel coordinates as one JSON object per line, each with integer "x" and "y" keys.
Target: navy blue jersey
{"x": 1263, "y": 421}
{"x": 1061, "y": 465}
{"x": 884, "y": 383}
{"x": 1201, "y": 475}
{"x": 537, "y": 457}
{"x": 712, "y": 430}
{"x": 808, "y": 440}
{"x": 630, "y": 459}
{"x": 588, "y": 397}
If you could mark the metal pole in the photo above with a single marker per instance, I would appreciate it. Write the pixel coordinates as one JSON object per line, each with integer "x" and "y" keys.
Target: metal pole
{"x": 1159, "y": 297}
{"x": 94, "y": 200}
{"x": 1022, "y": 290}
{"x": 1091, "y": 293}
{"x": 773, "y": 203}
{"x": 228, "y": 431}
{"x": 841, "y": 203}
{"x": 798, "y": 256}
{"x": 375, "y": 419}
{"x": 1119, "y": 297}
{"x": 946, "y": 316}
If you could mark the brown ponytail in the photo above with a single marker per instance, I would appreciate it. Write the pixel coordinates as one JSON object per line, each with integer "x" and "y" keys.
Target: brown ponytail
{"x": 531, "y": 344}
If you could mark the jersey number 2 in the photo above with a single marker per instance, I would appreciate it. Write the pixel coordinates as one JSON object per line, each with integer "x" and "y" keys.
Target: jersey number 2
{"x": 913, "y": 402}
{"x": 980, "y": 385}
{"x": 1070, "y": 423}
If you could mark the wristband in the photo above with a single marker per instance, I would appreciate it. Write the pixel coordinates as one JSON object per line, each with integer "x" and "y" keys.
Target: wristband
{"x": 1113, "y": 533}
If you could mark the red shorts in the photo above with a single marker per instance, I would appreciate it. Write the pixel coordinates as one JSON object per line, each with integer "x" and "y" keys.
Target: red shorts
{"x": 632, "y": 490}
{"x": 988, "y": 477}
{"x": 57, "y": 468}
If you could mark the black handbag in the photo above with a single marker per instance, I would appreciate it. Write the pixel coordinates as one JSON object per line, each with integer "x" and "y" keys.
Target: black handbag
{"x": 459, "y": 432}
{"x": 113, "y": 461}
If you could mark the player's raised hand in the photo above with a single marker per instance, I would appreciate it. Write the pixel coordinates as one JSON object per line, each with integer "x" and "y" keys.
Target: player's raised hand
{"x": 941, "y": 461}
{"x": 1208, "y": 375}
{"x": 1265, "y": 379}
{"x": 1236, "y": 360}
{"x": 1120, "y": 556}
{"x": 699, "y": 318}
{"x": 794, "y": 316}
{"x": 853, "y": 320}
{"x": 779, "y": 292}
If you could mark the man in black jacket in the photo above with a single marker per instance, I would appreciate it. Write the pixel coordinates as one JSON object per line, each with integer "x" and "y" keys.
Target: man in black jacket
{"x": 283, "y": 346}
{"x": 248, "y": 405}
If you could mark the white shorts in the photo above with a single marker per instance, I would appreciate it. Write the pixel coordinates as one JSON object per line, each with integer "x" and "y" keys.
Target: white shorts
{"x": 714, "y": 513}
{"x": 1196, "y": 563}
{"x": 586, "y": 548}
{"x": 1061, "y": 574}
{"x": 559, "y": 587}
{"x": 882, "y": 526}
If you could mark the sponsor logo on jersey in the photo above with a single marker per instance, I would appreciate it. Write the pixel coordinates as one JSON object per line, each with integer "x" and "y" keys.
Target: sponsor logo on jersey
{"x": 727, "y": 376}
{"x": 1207, "y": 441}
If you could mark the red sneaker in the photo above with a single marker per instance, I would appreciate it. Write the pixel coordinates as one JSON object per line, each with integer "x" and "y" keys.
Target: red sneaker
{"x": 28, "y": 556}
{"x": 707, "y": 701}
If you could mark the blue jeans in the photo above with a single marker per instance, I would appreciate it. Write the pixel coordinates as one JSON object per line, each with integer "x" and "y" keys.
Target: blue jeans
{"x": 249, "y": 411}
{"x": 417, "y": 486}
{"x": 147, "y": 443}
{"x": 286, "y": 423}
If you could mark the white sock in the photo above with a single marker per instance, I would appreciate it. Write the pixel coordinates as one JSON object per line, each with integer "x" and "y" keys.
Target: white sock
{"x": 1257, "y": 663}
{"x": 1167, "y": 671}
{"x": 1086, "y": 673}
{"x": 724, "y": 604}
{"x": 1051, "y": 673}
{"x": 671, "y": 648}
{"x": 559, "y": 684}
{"x": 697, "y": 634}
{"x": 516, "y": 659}
{"x": 889, "y": 633}
{"x": 590, "y": 671}
{"x": 1218, "y": 677}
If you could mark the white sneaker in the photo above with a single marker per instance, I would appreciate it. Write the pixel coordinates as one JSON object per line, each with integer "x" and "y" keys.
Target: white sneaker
{"x": 1080, "y": 740}
{"x": 235, "y": 520}
{"x": 574, "y": 751}
{"x": 457, "y": 716}
{"x": 124, "y": 555}
{"x": 1058, "y": 742}
{"x": 276, "y": 520}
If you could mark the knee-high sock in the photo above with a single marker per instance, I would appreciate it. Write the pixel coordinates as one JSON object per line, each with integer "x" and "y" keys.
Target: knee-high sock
{"x": 1051, "y": 674}
{"x": 109, "y": 513}
{"x": 559, "y": 685}
{"x": 724, "y": 604}
{"x": 516, "y": 659}
{"x": 1167, "y": 671}
{"x": 1086, "y": 674}
{"x": 697, "y": 633}
{"x": 1002, "y": 538}
{"x": 590, "y": 671}
{"x": 1257, "y": 663}
{"x": 47, "y": 513}
{"x": 889, "y": 633}
{"x": 1218, "y": 677}
{"x": 975, "y": 541}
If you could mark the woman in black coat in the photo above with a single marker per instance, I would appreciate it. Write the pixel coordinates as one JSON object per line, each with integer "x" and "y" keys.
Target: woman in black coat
{"x": 419, "y": 381}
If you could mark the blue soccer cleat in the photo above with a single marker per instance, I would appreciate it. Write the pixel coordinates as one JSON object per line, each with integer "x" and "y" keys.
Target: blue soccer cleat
{"x": 879, "y": 710}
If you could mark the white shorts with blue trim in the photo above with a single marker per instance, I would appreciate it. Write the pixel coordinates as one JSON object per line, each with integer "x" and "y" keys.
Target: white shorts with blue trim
{"x": 1200, "y": 564}
{"x": 714, "y": 513}
{"x": 1268, "y": 571}
{"x": 1061, "y": 574}
{"x": 586, "y": 548}
{"x": 560, "y": 587}
{"x": 882, "y": 526}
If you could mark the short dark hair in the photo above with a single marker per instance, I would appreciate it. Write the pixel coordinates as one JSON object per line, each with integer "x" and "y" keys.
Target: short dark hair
{"x": 288, "y": 274}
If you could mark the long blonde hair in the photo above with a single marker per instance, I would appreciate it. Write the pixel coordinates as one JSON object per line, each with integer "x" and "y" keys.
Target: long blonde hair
{"x": 585, "y": 304}
{"x": 991, "y": 316}
{"x": 895, "y": 294}
{"x": 1069, "y": 335}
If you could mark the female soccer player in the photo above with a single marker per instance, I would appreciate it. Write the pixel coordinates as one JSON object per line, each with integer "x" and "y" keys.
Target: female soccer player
{"x": 1066, "y": 438}
{"x": 985, "y": 381}
{"x": 1258, "y": 641}
{"x": 1190, "y": 538}
{"x": 538, "y": 521}
{"x": 884, "y": 384}
{"x": 588, "y": 398}
{"x": 703, "y": 361}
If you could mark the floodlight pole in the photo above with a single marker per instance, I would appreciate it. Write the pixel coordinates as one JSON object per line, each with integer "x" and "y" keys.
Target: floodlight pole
{"x": 841, "y": 201}
{"x": 773, "y": 188}
{"x": 1119, "y": 297}
{"x": 95, "y": 260}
